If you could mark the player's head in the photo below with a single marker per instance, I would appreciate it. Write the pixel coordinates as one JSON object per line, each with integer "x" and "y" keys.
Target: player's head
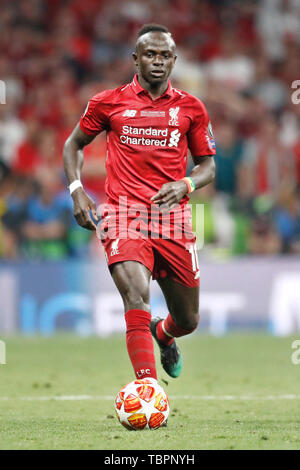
{"x": 154, "y": 53}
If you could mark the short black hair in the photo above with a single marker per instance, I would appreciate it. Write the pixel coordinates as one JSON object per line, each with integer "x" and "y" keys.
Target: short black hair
{"x": 148, "y": 28}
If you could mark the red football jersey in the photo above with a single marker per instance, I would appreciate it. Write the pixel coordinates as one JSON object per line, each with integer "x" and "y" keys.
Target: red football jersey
{"x": 147, "y": 140}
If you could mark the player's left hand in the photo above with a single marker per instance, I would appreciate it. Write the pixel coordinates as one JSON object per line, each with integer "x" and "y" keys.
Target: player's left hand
{"x": 170, "y": 194}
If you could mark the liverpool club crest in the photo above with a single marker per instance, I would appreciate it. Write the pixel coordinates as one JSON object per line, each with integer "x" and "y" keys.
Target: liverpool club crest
{"x": 173, "y": 112}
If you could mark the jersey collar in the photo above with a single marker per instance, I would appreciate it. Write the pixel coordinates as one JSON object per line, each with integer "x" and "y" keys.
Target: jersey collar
{"x": 138, "y": 89}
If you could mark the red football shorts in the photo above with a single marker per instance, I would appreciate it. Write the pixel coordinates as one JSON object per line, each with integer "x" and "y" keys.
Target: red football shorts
{"x": 165, "y": 256}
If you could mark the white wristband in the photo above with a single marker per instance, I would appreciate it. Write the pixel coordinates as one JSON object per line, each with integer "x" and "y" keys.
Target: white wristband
{"x": 75, "y": 185}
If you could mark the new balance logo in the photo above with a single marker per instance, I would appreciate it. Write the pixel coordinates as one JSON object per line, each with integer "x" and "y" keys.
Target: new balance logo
{"x": 114, "y": 248}
{"x": 129, "y": 113}
{"x": 174, "y": 138}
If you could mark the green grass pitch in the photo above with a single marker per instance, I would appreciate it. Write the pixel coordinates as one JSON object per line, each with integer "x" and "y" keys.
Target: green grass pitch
{"x": 235, "y": 392}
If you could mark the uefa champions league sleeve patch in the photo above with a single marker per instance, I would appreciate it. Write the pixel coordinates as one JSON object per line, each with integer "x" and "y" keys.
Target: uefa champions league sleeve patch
{"x": 210, "y": 137}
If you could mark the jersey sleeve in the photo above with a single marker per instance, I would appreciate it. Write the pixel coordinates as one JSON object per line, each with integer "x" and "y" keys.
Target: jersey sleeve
{"x": 200, "y": 136}
{"x": 95, "y": 118}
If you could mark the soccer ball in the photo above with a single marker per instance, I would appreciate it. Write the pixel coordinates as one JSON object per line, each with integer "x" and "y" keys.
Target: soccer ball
{"x": 142, "y": 404}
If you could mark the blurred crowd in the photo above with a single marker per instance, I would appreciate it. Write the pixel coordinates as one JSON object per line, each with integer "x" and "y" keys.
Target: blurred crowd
{"x": 242, "y": 58}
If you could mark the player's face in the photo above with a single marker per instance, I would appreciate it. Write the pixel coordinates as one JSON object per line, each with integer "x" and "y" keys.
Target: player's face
{"x": 155, "y": 57}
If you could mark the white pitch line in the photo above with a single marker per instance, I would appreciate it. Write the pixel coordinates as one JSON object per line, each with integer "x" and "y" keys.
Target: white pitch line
{"x": 238, "y": 397}
{"x": 174, "y": 397}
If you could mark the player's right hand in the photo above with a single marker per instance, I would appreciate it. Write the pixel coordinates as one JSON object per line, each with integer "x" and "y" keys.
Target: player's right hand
{"x": 83, "y": 206}
{"x": 169, "y": 195}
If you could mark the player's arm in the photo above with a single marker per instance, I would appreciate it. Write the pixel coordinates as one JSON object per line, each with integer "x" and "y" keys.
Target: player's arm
{"x": 73, "y": 162}
{"x": 202, "y": 174}
{"x": 204, "y": 171}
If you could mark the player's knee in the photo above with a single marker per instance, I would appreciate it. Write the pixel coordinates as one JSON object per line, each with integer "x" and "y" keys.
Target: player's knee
{"x": 137, "y": 298}
{"x": 191, "y": 321}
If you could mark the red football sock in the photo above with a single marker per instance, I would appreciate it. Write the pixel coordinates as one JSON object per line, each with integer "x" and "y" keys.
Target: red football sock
{"x": 162, "y": 336}
{"x": 140, "y": 343}
{"x": 167, "y": 330}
